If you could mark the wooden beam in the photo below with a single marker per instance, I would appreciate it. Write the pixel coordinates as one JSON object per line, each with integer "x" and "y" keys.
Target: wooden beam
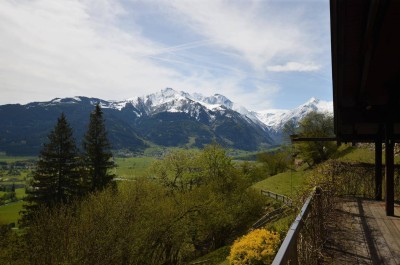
{"x": 313, "y": 139}
{"x": 378, "y": 170}
{"x": 371, "y": 38}
{"x": 389, "y": 170}
{"x": 365, "y": 138}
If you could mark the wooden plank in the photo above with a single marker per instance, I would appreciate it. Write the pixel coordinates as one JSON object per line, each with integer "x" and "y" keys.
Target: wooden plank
{"x": 352, "y": 247}
{"x": 392, "y": 233}
{"x": 397, "y": 217}
{"x": 385, "y": 231}
{"x": 381, "y": 243}
{"x": 365, "y": 235}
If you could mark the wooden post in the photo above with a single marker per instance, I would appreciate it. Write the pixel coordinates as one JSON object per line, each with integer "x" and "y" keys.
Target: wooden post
{"x": 389, "y": 170}
{"x": 378, "y": 170}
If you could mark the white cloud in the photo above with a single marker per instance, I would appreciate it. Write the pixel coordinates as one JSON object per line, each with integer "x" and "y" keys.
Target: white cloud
{"x": 294, "y": 67}
{"x": 252, "y": 29}
{"x": 56, "y": 48}
{"x": 82, "y": 47}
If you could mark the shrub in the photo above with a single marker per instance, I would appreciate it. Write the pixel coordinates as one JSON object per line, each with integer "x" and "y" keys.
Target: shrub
{"x": 257, "y": 247}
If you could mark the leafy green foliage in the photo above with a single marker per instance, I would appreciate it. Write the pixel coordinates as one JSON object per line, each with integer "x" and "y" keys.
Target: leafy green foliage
{"x": 211, "y": 177}
{"x": 193, "y": 203}
{"x": 316, "y": 125}
{"x": 290, "y": 128}
{"x": 11, "y": 247}
{"x": 275, "y": 163}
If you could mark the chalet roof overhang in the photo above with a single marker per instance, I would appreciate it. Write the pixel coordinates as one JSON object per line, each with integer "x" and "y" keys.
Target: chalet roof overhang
{"x": 365, "y": 40}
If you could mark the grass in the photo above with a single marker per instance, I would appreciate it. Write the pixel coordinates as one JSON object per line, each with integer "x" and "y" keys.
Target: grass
{"x": 282, "y": 225}
{"x": 12, "y": 159}
{"x": 20, "y": 193}
{"x": 215, "y": 257}
{"x": 10, "y": 213}
{"x": 132, "y": 167}
{"x": 242, "y": 155}
{"x": 361, "y": 155}
{"x": 286, "y": 183}
{"x": 353, "y": 154}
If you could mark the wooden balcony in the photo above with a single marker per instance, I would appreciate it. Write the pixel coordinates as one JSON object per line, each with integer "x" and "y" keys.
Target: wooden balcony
{"x": 364, "y": 234}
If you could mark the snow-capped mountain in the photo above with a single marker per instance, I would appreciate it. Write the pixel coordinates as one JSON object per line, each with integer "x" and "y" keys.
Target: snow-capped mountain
{"x": 170, "y": 100}
{"x": 166, "y": 118}
{"x": 275, "y": 119}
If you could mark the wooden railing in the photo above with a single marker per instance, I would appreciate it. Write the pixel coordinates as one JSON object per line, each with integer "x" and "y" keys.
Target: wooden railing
{"x": 303, "y": 241}
{"x": 286, "y": 200}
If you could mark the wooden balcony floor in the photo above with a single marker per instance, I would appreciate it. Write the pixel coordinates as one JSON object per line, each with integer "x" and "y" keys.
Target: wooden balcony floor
{"x": 363, "y": 234}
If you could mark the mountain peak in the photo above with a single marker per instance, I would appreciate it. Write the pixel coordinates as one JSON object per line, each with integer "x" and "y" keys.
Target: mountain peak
{"x": 168, "y": 90}
{"x": 312, "y": 100}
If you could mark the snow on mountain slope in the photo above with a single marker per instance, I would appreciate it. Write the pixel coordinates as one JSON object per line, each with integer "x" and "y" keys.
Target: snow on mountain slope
{"x": 198, "y": 105}
{"x": 275, "y": 119}
{"x": 271, "y": 117}
{"x": 170, "y": 100}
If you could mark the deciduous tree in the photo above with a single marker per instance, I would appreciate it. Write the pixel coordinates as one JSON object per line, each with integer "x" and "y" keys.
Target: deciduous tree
{"x": 316, "y": 125}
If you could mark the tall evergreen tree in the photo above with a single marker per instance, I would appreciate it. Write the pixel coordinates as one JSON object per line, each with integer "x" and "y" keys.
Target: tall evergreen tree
{"x": 56, "y": 177}
{"x": 97, "y": 154}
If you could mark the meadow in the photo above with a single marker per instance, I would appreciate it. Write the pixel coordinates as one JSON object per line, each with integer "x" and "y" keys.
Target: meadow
{"x": 127, "y": 168}
{"x": 132, "y": 167}
{"x": 287, "y": 183}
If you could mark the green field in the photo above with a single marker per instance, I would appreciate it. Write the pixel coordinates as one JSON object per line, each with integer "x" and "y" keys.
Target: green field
{"x": 286, "y": 183}
{"x": 12, "y": 159}
{"x": 20, "y": 193}
{"x": 132, "y": 167}
{"x": 10, "y": 213}
{"x": 354, "y": 155}
{"x": 361, "y": 154}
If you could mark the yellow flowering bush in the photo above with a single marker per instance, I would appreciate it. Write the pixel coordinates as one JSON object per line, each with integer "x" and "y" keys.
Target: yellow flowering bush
{"x": 257, "y": 247}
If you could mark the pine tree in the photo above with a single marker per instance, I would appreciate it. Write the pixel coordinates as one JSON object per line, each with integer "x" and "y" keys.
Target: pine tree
{"x": 56, "y": 177}
{"x": 97, "y": 154}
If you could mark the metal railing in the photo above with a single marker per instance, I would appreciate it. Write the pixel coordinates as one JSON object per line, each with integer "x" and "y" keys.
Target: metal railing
{"x": 286, "y": 200}
{"x": 303, "y": 241}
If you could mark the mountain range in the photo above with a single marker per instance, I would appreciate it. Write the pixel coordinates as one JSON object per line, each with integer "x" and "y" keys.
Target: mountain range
{"x": 165, "y": 118}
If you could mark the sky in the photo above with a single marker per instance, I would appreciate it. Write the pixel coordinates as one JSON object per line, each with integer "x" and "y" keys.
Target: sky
{"x": 261, "y": 54}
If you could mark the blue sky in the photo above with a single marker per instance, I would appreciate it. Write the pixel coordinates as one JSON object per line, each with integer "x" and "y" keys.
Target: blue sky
{"x": 261, "y": 54}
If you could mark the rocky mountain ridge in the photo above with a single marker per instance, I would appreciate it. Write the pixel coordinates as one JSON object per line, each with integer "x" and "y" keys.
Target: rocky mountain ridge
{"x": 166, "y": 118}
